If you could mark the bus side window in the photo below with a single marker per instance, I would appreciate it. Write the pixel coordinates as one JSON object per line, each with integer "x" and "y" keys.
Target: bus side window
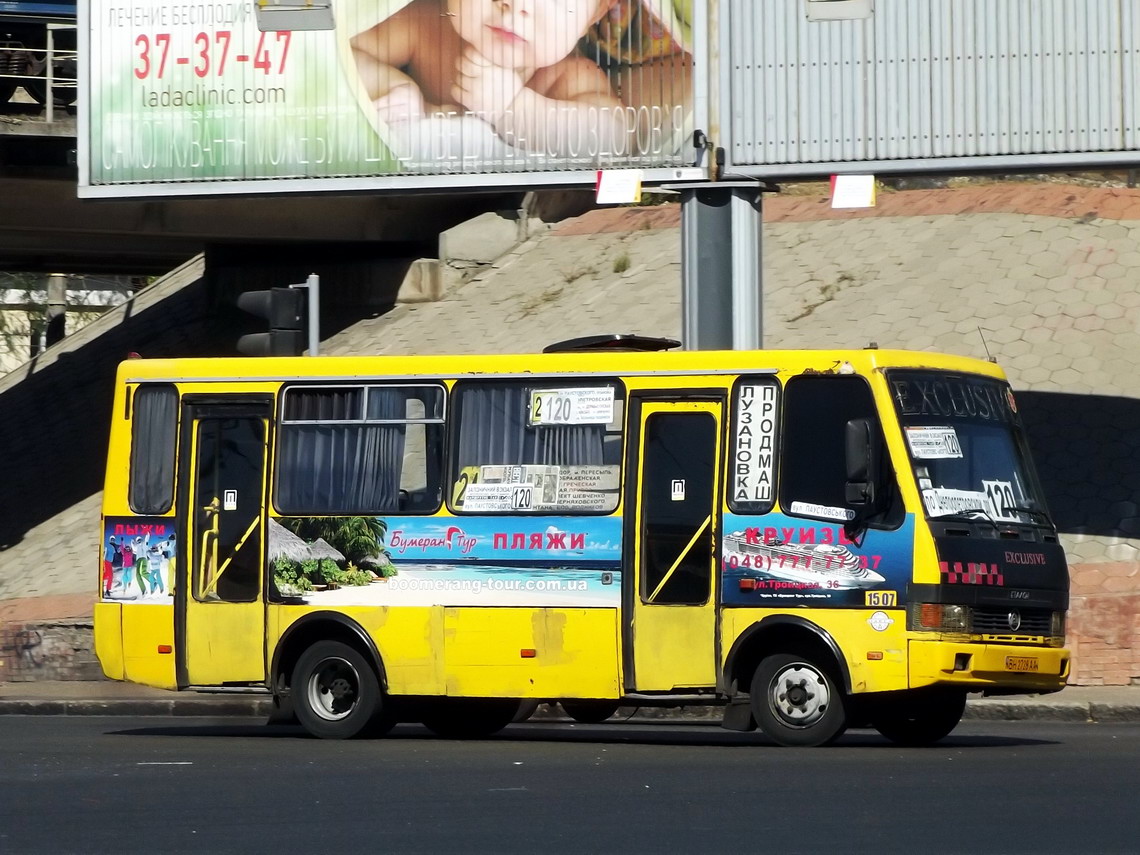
{"x": 154, "y": 432}
{"x": 360, "y": 450}
{"x": 543, "y": 447}
{"x": 813, "y": 468}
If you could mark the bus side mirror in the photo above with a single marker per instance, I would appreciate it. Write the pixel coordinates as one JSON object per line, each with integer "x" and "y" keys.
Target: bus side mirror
{"x": 864, "y": 487}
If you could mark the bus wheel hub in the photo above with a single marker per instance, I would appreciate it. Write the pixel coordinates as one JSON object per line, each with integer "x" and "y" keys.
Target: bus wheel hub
{"x": 799, "y": 695}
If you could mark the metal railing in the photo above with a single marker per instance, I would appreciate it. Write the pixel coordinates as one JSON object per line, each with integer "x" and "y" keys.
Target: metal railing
{"x": 53, "y": 82}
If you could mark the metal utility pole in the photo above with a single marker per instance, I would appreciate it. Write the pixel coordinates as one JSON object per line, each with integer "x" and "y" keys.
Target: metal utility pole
{"x": 721, "y": 274}
{"x": 56, "y": 315}
{"x": 313, "y": 284}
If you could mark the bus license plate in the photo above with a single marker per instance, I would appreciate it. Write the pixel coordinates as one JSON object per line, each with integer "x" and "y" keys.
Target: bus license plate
{"x": 1021, "y": 663}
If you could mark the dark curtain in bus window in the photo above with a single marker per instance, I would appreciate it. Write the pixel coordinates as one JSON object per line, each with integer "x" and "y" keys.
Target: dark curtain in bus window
{"x": 493, "y": 431}
{"x": 340, "y": 468}
{"x": 813, "y": 462}
{"x": 154, "y": 431}
{"x": 676, "y": 507}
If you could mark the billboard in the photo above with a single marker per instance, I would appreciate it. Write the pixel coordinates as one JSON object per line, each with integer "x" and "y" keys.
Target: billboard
{"x": 399, "y": 94}
{"x": 815, "y": 87}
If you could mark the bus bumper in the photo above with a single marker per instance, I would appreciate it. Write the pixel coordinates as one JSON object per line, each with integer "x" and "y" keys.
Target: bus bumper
{"x": 977, "y": 667}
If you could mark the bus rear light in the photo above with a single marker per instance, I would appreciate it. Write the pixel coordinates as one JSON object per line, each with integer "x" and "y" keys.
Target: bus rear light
{"x": 528, "y": 653}
{"x": 165, "y": 648}
{"x": 748, "y": 584}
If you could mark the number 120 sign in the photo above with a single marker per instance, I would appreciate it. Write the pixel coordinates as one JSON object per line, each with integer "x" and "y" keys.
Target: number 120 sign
{"x": 572, "y": 406}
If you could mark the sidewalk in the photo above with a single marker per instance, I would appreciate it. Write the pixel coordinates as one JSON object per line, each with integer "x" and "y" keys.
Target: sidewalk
{"x": 1100, "y": 704}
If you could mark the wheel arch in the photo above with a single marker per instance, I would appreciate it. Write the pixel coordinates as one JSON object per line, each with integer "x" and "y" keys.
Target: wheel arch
{"x": 321, "y": 626}
{"x": 780, "y": 634}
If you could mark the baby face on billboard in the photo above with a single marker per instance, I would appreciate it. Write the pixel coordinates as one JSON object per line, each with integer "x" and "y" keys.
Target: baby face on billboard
{"x": 524, "y": 34}
{"x": 511, "y": 65}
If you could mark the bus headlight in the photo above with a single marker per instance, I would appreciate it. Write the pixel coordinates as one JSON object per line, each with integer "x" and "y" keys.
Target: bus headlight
{"x": 938, "y": 617}
{"x": 1057, "y": 625}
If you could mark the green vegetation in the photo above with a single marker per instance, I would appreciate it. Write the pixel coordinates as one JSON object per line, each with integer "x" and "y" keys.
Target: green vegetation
{"x": 289, "y": 578}
{"x": 358, "y": 539}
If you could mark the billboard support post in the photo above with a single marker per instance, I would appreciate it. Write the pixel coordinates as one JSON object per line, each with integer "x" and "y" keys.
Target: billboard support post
{"x": 313, "y": 286}
{"x": 721, "y": 273}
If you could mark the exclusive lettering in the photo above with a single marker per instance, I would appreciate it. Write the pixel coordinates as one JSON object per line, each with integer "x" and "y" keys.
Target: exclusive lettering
{"x": 1027, "y": 558}
{"x": 902, "y": 395}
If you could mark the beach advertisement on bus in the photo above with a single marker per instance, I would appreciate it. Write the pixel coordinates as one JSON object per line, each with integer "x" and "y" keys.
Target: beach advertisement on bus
{"x": 188, "y": 94}
{"x": 524, "y": 561}
{"x": 776, "y": 559}
{"x": 420, "y": 561}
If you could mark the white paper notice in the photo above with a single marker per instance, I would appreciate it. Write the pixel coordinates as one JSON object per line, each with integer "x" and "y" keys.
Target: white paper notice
{"x": 933, "y": 443}
{"x": 941, "y": 500}
{"x": 853, "y": 191}
{"x": 619, "y": 186}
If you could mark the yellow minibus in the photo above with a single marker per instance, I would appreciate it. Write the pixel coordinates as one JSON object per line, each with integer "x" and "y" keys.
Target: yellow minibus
{"x": 814, "y": 540}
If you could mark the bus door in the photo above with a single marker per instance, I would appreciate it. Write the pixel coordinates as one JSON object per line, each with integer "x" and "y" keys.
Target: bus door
{"x": 221, "y": 610}
{"x": 671, "y": 523}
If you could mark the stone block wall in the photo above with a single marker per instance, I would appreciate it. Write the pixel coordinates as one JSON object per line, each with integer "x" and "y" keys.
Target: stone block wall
{"x": 50, "y": 650}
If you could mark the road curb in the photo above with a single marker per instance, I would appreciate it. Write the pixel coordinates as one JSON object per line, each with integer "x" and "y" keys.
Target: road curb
{"x": 228, "y": 707}
{"x": 1091, "y": 712}
{"x": 261, "y": 707}
{"x": 1027, "y": 711}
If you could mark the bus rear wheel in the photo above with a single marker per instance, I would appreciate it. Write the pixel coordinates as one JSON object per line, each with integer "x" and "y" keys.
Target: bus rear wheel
{"x": 796, "y": 700}
{"x": 921, "y": 717}
{"x": 336, "y": 693}
{"x": 589, "y": 712}
{"x": 469, "y": 718}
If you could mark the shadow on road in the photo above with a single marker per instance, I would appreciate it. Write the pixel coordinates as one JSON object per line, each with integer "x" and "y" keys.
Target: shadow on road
{"x": 671, "y": 734}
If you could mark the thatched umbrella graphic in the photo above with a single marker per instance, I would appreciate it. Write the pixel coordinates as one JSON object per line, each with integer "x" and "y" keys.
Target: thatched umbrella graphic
{"x": 320, "y": 548}
{"x": 284, "y": 544}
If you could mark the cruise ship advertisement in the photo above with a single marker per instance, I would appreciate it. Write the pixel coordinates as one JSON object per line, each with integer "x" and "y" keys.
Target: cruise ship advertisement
{"x": 776, "y": 559}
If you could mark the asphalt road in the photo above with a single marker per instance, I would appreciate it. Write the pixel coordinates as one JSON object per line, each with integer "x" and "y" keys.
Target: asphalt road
{"x": 91, "y": 784}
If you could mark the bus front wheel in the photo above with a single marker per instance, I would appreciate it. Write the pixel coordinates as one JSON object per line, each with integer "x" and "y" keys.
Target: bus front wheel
{"x": 796, "y": 701}
{"x": 336, "y": 694}
{"x": 921, "y": 717}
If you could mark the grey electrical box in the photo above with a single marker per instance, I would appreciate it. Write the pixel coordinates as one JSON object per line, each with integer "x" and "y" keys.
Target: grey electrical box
{"x": 838, "y": 10}
{"x": 300, "y": 15}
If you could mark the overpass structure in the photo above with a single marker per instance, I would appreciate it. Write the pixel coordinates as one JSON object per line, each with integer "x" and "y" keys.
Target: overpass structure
{"x": 45, "y": 227}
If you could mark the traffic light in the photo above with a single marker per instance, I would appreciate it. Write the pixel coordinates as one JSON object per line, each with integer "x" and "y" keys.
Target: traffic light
{"x": 284, "y": 309}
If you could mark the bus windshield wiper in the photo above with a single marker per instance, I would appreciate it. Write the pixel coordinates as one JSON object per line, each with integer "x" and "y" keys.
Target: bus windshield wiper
{"x": 1033, "y": 513}
{"x": 969, "y": 515}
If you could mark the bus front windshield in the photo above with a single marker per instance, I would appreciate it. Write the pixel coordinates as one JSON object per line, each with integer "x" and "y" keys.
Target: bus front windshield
{"x": 965, "y": 441}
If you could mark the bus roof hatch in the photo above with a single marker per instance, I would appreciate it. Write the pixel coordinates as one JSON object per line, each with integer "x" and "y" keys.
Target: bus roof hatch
{"x": 613, "y": 341}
